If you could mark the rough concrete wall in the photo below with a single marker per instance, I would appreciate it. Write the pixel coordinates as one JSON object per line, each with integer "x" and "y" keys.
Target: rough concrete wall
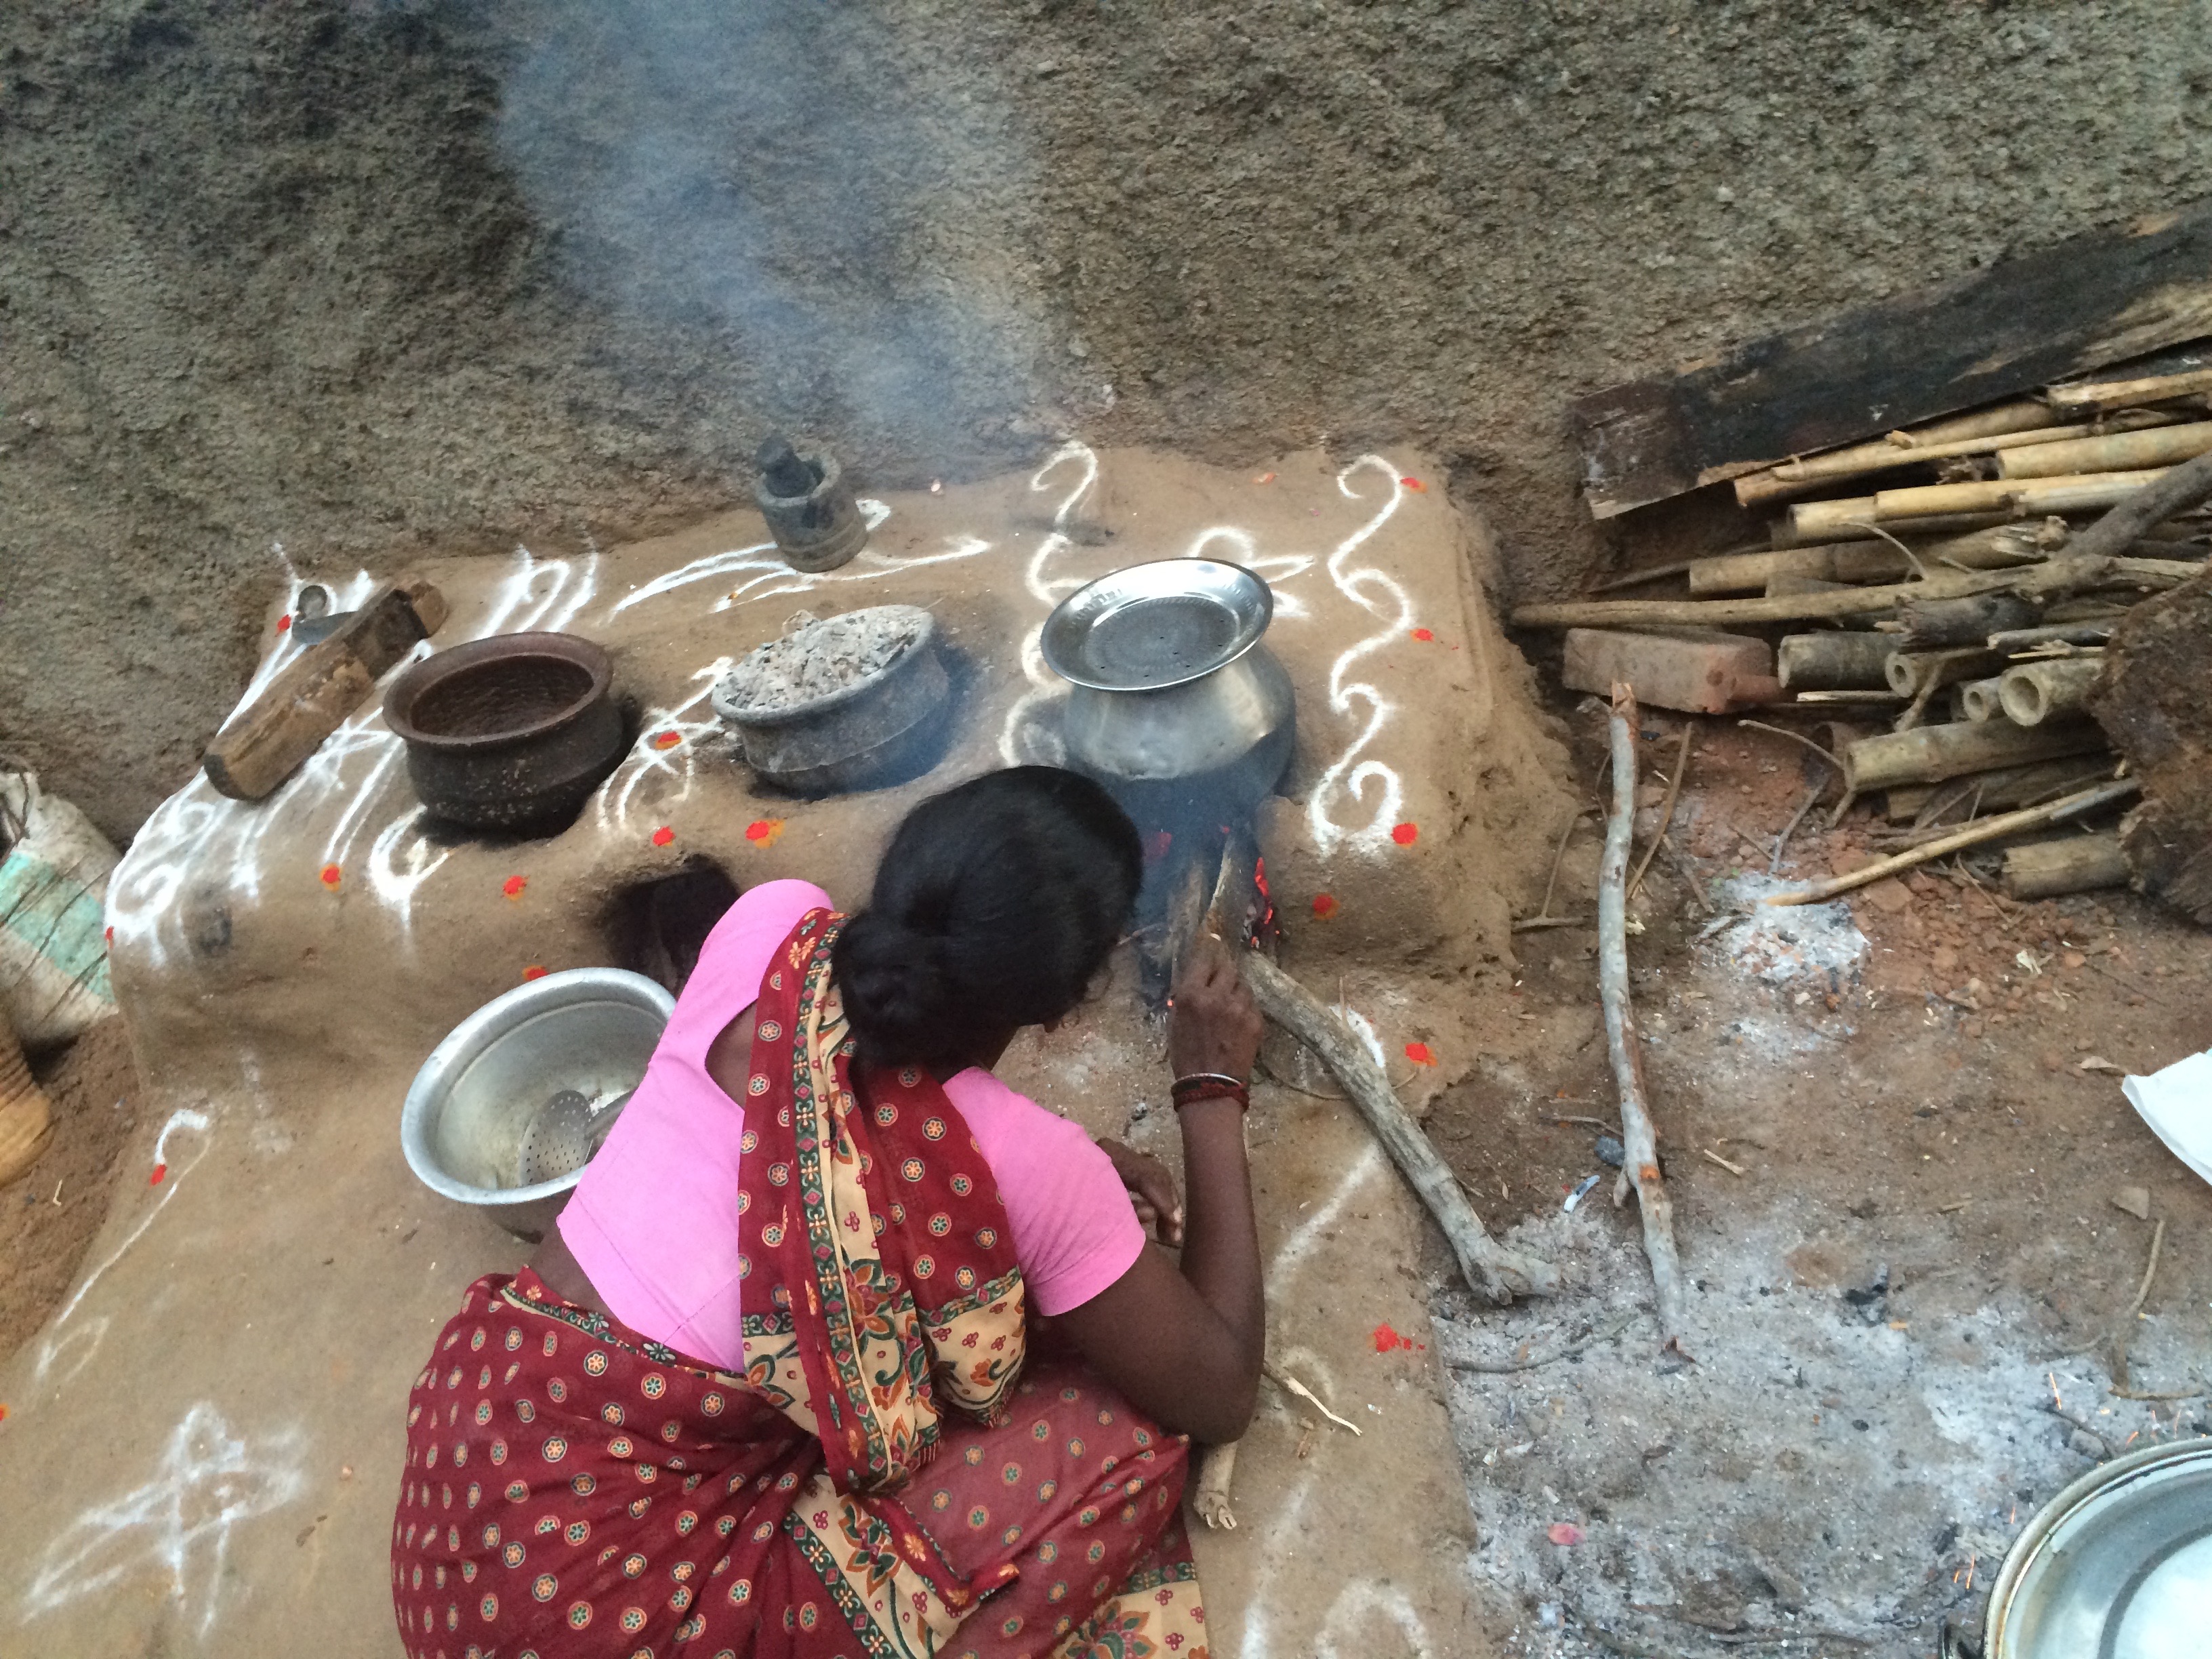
{"x": 363, "y": 278}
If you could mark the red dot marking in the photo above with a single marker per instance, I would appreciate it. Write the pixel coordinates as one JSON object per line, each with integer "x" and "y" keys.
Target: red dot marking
{"x": 513, "y": 885}
{"x": 1406, "y": 834}
{"x": 1325, "y": 905}
{"x": 331, "y": 876}
{"x": 762, "y": 832}
{"x": 1419, "y": 1054}
{"x": 1386, "y": 1339}
{"x": 663, "y": 836}
{"x": 3, "y": 1413}
{"x": 534, "y": 971}
{"x": 1413, "y": 484}
{"x": 111, "y": 936}
{"x": 1423, "y": 635}
{"x": 283, "y": 624}
{"x": 1563, "y": 1532}
{"x": 666, "y": 739}
{"x": 154, "y": 1179}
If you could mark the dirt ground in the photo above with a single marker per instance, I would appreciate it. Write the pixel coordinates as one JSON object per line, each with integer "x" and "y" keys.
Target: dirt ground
{"x": 1907, "y": 1287}
{"x": 359, "y": 278}
{"x": 48, "y": 1219}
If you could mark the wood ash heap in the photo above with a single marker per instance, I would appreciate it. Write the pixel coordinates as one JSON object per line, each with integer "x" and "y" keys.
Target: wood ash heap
{"x": 821, "y": 655}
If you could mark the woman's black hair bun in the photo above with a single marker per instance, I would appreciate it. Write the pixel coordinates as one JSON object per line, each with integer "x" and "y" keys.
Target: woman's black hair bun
{"x": 995, "y": 905}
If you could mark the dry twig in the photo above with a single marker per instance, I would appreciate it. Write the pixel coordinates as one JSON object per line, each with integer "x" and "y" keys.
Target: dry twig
{"x": 1666, "y": 807}
{"x": 1565, "y": 1351}
{"x": 1639, "y": 1138}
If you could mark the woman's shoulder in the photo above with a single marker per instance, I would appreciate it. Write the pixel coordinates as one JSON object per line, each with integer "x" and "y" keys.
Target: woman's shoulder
{"x": 1003, "y": 1116}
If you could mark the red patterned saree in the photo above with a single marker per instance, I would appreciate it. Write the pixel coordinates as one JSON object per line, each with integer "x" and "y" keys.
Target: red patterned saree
{"x": 887, "y": 1479}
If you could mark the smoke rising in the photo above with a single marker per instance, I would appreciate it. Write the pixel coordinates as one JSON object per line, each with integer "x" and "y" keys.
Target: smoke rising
{"x": 800, "y": 192}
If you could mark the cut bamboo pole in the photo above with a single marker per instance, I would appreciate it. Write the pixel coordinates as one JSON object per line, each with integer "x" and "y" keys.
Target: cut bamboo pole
{"x": 2176, "y": 491}
{"x": 1984, "y": 829}
{"x": 1930, "y": 754}
{"x": 2062, "y": 575}
{"x": 2033, "y": 692}
{"x": 1797, "y": 478}
{"x": 1836, "y": 661}
{"x": 1979, "y": 700}
{"x": 2077, "y": 492}
{"x": 2118, "y": 452}
{"x": 2071, "y": 864}
{"x": 2078, "y": 633}
{"x": 1919, "y": 674}
{"x": 1931, "y": 442}
{"x": 1639, "y": 1139}
{"x": 1946, "y": 624}
{"x": 2097, "y": 396}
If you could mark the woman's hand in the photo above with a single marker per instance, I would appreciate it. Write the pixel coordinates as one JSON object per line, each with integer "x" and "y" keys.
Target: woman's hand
{"x": 1151, "y": 1189}
{"x": 1216, "y": 1025}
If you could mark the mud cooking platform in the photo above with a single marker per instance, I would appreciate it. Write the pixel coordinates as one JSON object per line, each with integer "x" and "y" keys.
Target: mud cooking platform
{"x": 204, "y": 1445}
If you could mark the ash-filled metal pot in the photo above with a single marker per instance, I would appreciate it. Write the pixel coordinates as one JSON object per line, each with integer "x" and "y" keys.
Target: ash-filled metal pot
{"x": 1171, "y": 683}
{"x": 509, "y": 732}
{"x": 883, "y": 727}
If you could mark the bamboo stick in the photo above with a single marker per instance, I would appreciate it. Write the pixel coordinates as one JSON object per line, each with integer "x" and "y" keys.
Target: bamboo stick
{"x": 1984, "y": 829}
{"x": 2176, "y": 491}
{"x": 2051, "y": 576}
{"x": 2033, "y": 692}
{"x": 1917, "y": 673}
{"x": 1639, "y": 1139}
{"x": 1929, "y": 442}
{"x": 2071, "y": 864}
{"x": 1797, "y": 478}
{"x": 1930, "y": 754}
{"x": 2078, "y": 633}
{"x": 1979, "y": 700}
{"x": 2006, "y": 787}
{"x": 1938, "y": 624}
{"x": 2101, "y": 395}
{"x": 2075, "y": 492}
{"x": 1836, "y": 661}
{"x": 2118, "y": 452}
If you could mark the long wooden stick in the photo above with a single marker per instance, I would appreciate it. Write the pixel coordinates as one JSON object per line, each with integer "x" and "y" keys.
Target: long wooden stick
{"x": 2005, "y": 823}
{"x": 1666, "y": 807}
{"x": 2177, "y": 490}
{"x": 1496, "y": 1270}
{"x": 1640, "y": 1140}
{"x": 2100, "y": 395}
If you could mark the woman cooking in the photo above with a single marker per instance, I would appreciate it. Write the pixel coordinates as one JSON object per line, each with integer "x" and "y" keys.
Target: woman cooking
{"x": 776, "y": 1386}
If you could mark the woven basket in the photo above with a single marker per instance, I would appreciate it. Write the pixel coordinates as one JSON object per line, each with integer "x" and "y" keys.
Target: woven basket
{"x": 27, "y": 1120}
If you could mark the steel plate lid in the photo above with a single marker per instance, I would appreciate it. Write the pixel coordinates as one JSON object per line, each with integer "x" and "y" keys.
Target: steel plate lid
{"x": 2117, "y": 1567}
{"x": 1155, "y": 625}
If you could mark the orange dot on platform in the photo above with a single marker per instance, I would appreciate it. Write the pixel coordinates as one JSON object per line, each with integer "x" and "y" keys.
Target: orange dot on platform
{"x": 534, "y": 971}
{"x": 1406, "y": 834}
{"x": 513, "y": 885}
{"x": 1325, "y": 905}
{"x": 663, "y": 836}
{"x": 1423, "y": 635}
{"x": 762, "y": 832}
{"x": 666, "y": 739}
{"x": 331, "y": 876}
{"x": 1419, "y": 1054}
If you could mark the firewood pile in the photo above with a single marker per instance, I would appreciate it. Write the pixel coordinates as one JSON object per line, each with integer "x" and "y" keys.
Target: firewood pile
{"x": 1973, "y": 584}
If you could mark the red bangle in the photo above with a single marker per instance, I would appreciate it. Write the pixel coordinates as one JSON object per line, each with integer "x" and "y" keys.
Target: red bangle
{"x": 1210, "y": 1086}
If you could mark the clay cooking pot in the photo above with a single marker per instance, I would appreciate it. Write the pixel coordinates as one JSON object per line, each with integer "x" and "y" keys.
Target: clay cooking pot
{"x": 511, "y": 732}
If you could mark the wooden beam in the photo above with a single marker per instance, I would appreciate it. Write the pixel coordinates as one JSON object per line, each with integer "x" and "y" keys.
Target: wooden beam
{"x": 2093, "y": 300}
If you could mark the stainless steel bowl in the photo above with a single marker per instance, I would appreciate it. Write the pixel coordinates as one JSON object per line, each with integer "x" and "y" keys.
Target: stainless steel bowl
{"x": 591, "y": 1030}
{"x": 2117, "y": 1567}
{"x": 1171, "y": 683}
{"x": 1156, "y": 625}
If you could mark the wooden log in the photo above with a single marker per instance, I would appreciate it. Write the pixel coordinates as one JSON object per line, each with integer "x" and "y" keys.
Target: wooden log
{"x": 310, "y": 696}
{"x": 2075, "y": 633}
{"x": 1794, "y": 478}
{"x": 2071, "y": 864}
{"x": 1918, "y": 673}
{"x": 1700, "y": 676}
{"x": 2033, "y": 692}
{"x": 1779, "y": 534}
{"x": 2100, "y": 298}
{"x": 1639, "y": 1137}
{"x": 1750, "y": 572}
{"x": 2075, "y": 492}
{"x": 2119, "y": 452}
{"x": 1979, "y": 700}
{"x": 2065, "y": 575}
{"x": 1782, "y": 586}
{"x": 2095, "y": 396}
{"x": 1984, "y": 829}
{"x": 1937, "y": 624}
{"x": 1836, "y": 661}
{"x": 1930, "y": 754}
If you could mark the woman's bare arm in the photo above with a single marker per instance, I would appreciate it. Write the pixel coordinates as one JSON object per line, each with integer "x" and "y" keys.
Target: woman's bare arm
{"x": 1184, "y": 1343}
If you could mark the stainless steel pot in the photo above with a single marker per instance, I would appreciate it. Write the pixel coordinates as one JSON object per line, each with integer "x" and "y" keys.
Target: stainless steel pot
{"x": 1170, "y": 680}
